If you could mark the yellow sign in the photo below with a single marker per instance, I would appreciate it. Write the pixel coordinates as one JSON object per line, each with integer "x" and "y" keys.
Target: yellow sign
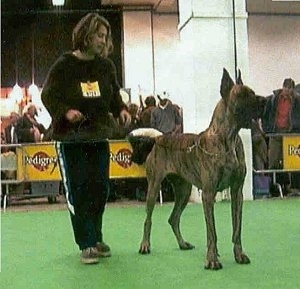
{"x": 90, "y": 89}
{"x": 121, "y": 165}
{"x": 291, "y": 152}
{"x": 39, "y": 162}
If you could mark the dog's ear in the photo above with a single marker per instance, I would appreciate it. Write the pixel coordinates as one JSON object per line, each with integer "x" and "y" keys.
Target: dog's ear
{"x": 226, "y": 84}
{"x": 239, "y": 78}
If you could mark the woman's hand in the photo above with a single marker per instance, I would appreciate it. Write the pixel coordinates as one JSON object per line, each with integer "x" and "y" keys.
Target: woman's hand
{"x": 73, "y": 115}
{"x": 125, "y": 117}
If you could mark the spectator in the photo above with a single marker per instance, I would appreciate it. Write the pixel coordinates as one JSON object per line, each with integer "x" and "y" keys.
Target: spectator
{"x": 29, "y": 130}
{"x": 145, "y": 116}
{"x": 3, "y": 186}
{"x": 282, "y": 110}
{"x": 133, "y": 109}
{"x": 297, "y": 90}
{"x": 281, "y": 116}
{"x": 166, "y": 117}
{"x": 10, "y": 131}
{"x": 259, "y": 147}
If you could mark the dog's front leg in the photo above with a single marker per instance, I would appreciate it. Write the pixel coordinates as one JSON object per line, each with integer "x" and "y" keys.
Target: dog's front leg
{"x": 212, "y": 261}
{"x": 145, "y": 244}
{"x": 153, "y": 189}
{"x": 236, "y": 212}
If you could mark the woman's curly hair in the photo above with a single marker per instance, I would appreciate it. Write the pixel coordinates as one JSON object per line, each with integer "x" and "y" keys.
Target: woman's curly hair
{"x": 86, "y": 28}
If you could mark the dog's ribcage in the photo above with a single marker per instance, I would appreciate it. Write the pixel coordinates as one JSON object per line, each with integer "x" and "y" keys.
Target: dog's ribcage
{"x": 199, "y": 159}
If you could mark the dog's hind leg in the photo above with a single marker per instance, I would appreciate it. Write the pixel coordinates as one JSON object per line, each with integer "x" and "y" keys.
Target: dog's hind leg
{"x": 236, "y": 212}
{"x": 182, "y": 191}
{"x": 153, "y": 190}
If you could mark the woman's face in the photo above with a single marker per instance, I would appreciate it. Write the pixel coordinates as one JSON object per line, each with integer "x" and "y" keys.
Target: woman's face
{"x": 97, "y": 41}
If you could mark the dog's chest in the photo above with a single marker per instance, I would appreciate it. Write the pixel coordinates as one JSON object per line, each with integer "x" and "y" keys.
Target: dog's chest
{"x": 230, "y": 171}
{"x": 207, "y": 171}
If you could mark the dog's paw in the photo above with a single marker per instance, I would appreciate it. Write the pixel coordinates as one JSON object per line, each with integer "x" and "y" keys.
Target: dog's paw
{"x": 213, "y": 265}
{"x": 144, "y": 249}
{"x": 186, "y": 246}
{"x": 239, "y": 256}
{"x": 242, "y": 259}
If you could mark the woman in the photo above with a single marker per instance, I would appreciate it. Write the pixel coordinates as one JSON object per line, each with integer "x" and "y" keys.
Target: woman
{"x": 81, "y": 93}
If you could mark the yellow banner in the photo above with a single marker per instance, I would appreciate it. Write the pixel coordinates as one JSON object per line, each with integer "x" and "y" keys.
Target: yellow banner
{"x": 291, "y": 152}
{"x": 121, "y": 165}
{"x": 39, "y": 162}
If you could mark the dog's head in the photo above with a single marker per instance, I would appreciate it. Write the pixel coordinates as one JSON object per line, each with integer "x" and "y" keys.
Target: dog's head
{"x": 241, "y": 101}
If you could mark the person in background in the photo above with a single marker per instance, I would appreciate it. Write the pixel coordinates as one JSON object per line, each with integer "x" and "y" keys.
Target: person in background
{"x": 297, "y": 90}
{"x": 28, "y": 129}
{"x": 259, "y": 146}
{"x": 3, "y": 141}
{"x": 166, "y": 117}
{"x": 10, "y": 137}
{"x": 135, "y": 120}
{"x": 82, "y": 95}
{"x": 3, "y": 186}
{"x": 10, "y": 131}
{"x": 281, "y": 116}
{"x": 145, "y": 115}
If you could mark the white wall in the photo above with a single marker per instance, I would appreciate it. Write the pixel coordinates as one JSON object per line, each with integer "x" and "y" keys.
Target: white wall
{"x": 138, "y": 60}
{"x": 167, "y": 56}
{"x": 273, "y": 47}
{"x": 150, "y": 55}
{"x": 274, "y": 51}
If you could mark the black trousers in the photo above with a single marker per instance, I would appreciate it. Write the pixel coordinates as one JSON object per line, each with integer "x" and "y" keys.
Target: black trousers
{"x": 84, "y": 169}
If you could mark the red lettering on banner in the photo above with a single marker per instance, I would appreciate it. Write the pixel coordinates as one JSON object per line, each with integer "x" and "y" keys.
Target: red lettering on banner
{"x": 40, "y": 161}
{"x": 293, "y": 150}
{"x": 123, "y": 158}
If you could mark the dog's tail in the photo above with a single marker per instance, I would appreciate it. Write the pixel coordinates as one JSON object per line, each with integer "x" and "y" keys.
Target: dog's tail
{"x": 142, "y": 141}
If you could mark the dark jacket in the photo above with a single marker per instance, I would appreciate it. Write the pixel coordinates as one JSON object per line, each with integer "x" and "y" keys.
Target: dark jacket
{"x": 8, "y": 136}
{"x": 89, "y": 86}
{"x": 23, "y": 130}
{"x": 167, "y": 119}
{"x": 269, "y": 117}
{"x": 145, "y": 116}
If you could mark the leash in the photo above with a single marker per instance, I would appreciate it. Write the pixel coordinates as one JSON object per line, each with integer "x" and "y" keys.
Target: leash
{"x": 197, "y": 144}
{"x": 190, "y": 148}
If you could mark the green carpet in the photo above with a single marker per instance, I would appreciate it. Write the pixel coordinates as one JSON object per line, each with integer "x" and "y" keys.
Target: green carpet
{"x": 38, "y": 250}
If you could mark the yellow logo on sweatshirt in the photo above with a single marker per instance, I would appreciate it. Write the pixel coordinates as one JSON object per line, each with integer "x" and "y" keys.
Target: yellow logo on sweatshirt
{"x": 90, "y": 89}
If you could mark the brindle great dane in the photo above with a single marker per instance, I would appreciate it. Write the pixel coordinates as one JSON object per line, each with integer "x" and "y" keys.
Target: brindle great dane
{"x": 212, "y": 161}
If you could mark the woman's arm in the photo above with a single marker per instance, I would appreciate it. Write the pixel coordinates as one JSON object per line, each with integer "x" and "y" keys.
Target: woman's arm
{"x": 54, "y": 90}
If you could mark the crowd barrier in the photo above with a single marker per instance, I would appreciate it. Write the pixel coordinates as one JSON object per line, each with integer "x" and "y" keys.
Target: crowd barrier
{"x": 37, "y": 163}
{"x": 291, "y": 158}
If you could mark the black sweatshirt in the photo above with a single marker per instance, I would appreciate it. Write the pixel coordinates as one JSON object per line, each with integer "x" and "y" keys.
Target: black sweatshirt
{"x": 89, "y": 86}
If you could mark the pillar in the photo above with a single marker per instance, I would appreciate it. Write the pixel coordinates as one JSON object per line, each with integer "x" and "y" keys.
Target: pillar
{"x": 207, "y": 46}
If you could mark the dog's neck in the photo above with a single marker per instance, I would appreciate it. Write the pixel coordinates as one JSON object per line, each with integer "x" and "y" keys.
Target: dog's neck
{"x": 222, "y": 123}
